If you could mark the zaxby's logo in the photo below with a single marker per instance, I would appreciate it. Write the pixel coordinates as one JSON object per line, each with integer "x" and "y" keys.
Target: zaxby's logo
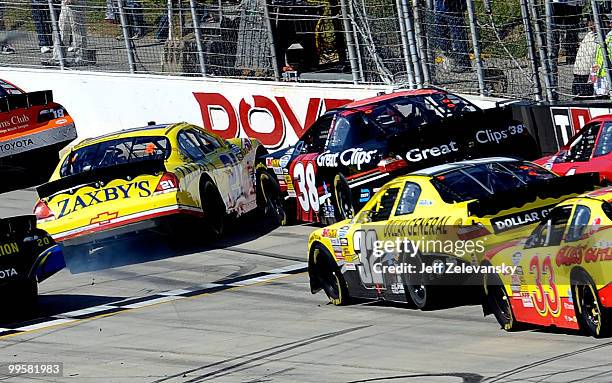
{"x": 133, "y": 189}
{"x": 275, "y": 114}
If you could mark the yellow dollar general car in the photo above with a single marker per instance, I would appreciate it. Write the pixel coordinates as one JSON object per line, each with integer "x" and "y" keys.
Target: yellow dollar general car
{"x": 431, "y": 228}
{"x": 149, "y": 177}
{"x": 564, "y": 270}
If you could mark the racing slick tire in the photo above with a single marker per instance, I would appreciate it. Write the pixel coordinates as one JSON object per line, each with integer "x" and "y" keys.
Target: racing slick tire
{"x": 270, "y": 198}
{"x": 215, "y": 213}
{"x": 342, "y": 196}
{"x": 420, "y": 294}
{"x": 330, "y": 277}
{"x": 593, "y": 318}
{"x": 498, "y": 302}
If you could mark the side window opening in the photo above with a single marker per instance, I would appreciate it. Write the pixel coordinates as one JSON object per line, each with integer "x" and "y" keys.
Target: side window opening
{"x": 604, "y": 145}
{"x": 189, "y": 147}
{"x": 316, "y": 136}
{"x": 384, "y": 207}
{"x": 582, "y": 147}
{"x": 580, "y": 221}
{"x": 409, "y": 199}
{"x": 550, "y": 231}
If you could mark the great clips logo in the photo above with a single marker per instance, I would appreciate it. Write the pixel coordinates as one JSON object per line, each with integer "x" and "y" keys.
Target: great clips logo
{"x": 267, "y": 119}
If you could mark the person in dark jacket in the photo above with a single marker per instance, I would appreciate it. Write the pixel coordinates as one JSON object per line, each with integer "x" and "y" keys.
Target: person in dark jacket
{"x": 450, "y": 32}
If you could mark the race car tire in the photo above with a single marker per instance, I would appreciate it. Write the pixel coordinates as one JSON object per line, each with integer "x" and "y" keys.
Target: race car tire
{"x": 344, "y": 203}
{"x": 330, "y": 277}
{"x": 214, "y": 210}
{"x": 593, "y": 318}
{"x": 270, "y": 199}
{"x": 498, "y": 302}
{"x": 420, "y": 294}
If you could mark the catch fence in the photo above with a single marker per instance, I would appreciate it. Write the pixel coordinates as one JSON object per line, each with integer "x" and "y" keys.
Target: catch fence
{"x": 541, "y": 50}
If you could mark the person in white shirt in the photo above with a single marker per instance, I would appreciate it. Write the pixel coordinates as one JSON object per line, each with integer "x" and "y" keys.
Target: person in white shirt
{"x": 585, "y": 58}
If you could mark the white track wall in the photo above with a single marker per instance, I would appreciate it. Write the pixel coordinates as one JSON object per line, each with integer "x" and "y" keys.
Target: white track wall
{"x": 275, "y": 113}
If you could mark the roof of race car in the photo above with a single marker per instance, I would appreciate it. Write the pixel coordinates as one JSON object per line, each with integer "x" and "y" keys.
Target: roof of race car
{"x": 438, "y": 169}
{"x": 390, "y": 96}
{"x": 604, "y": 194}
{"x": 602, "y": 118}
{"x": 155, "y": 130}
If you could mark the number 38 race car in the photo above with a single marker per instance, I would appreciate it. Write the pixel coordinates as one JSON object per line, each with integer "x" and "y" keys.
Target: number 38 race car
{"x": 564, "y": 270}
{"x": 405, "y": 244}
{"x": 348, "y": 153}
{"x": 149, "y": 177}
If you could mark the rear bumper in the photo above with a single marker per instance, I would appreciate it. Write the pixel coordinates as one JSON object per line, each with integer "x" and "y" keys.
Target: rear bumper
{"x": 133, "y": 223}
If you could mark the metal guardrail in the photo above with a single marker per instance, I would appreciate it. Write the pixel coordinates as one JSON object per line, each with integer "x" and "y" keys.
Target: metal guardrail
{"x": 544, "y": 50}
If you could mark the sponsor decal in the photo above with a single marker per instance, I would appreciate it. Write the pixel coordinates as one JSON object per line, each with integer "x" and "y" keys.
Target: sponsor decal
{"x": 492, "y": 136}
{"x": 343, "y": 231}
{"x": 516, "y": 258}
{"x": 70, "y": 205}
{"x": 575, "y": 255}
{"x": 284, "y": 160}
{"x": 426, "y": 202}
{"x": 18, "y": 144}
{"x": 527, "y": 302}
{"x": 14, "y": 120}
{"x": 397, "y": 288}
{"x": 353, "y": 156}
{"x": 7, "y": 273}
{"x": 417, "y": 226}
{"x": 61, "y": 121}
{"x": 417, "y": 155}
{"x": 334, "y": 241}
{"x": 343, "y": 242}
{"x": 329, "y": 233}
{"x": 522, "y": 218}
{"x": 9, "y": 248}
{"x": 350, "y": 266}
{"x": 364, "y": 195}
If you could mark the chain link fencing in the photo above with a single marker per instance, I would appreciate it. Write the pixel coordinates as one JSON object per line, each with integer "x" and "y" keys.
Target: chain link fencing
{"x": 541, "y": 50}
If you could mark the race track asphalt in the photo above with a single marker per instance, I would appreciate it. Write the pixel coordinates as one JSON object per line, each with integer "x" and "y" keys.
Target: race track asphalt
{"x": 241, "y": 311}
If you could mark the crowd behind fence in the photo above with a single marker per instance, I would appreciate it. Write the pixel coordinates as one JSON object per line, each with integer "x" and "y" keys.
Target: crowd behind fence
{"x": 543, "y": 50}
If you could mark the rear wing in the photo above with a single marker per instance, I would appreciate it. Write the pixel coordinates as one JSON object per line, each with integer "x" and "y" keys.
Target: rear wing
{"x": 551, "y": 188}
{"x": 101, "y": 176}
{"x": 19, "y": 101}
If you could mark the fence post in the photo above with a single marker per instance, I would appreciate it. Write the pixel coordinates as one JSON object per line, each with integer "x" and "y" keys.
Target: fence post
{"x": 126, "y": 37}
{"x": 551, "y": 47}
{"x": 273, "y": 53}
{"x": 476, "y": 46}
{"x": 404, "y": 36}
{"x": 170, "y": 19}
{"x": 531, "y": 53}
{"x": 350, "y": 43}
{"x": 198, "y": 36}
{"x": 542, "y": 52}
{"x": 57, "y": 40}
{"x": 602, "y": 41}
{"x": 414, "y": 57}
{"x": 421, "y": 42}
{"x": 356, "y": 37}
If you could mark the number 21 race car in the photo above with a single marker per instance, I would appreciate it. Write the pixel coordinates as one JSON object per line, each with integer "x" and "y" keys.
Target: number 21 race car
{"x": 348, "y": 153}
{"x": 146, "y": 178}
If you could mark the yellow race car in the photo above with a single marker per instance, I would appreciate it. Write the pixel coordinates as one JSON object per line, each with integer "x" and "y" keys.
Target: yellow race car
{"x": 151, "y": 177}
{"x": 564, "y": 270}
{"x": 431, "y": 228}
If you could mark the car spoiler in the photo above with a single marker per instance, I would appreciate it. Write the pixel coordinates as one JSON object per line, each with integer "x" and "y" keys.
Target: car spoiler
{"x": 18, "y": 225}
{"x": 550, "y": 188}
{"x": 26, "y": 100}
{"x": 102, "y": 176}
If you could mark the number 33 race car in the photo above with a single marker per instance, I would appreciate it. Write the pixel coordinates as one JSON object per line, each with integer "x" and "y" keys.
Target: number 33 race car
{"x": 565, "y": 269}
{"x": 148, "y": 177}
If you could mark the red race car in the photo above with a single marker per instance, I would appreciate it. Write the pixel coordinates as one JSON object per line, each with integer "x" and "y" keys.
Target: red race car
{"x": 590, "y": 150}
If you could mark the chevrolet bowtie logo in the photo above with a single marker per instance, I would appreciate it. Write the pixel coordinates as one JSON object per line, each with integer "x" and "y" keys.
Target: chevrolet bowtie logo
{"x": 103, "y": 218}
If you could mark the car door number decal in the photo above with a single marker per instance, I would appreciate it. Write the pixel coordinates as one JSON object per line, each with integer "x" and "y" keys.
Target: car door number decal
{"x": 363, "y": 243}
{"x": 546, "y": 300}
{"x": 306, "y": 188}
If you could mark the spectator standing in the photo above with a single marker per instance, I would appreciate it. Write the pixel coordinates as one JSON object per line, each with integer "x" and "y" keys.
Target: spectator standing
{"x": 566, "y": 23}
{"x": 6, "y": 48}
{"x": 134, "y": 17}
{"x": 450, "y": 32}
{"x": 585, "y": 58}
{"x": 72, "y": 28}
{"x": 42, "y": 23}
